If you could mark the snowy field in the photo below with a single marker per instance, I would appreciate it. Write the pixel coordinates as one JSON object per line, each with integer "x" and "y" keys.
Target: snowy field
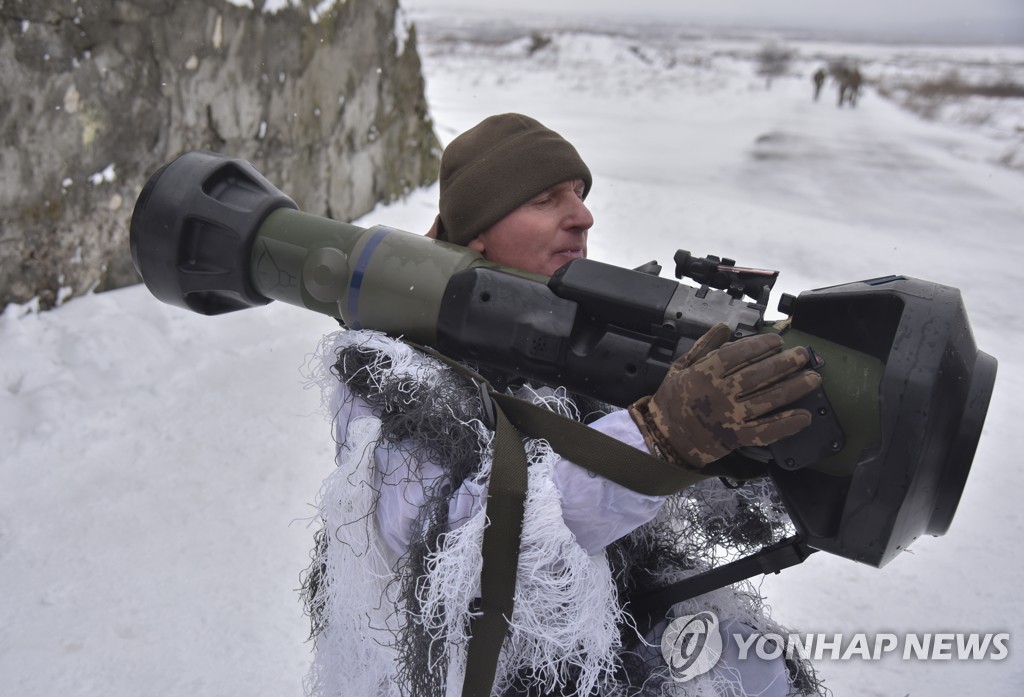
{"x": 159, "y": 468}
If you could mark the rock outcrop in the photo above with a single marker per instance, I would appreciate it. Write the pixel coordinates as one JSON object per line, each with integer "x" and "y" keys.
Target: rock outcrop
{"x": 325, "y": 98}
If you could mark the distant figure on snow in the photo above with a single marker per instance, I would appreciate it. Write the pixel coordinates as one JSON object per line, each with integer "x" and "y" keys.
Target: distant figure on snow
{"x": 849, "y": 81}
{"x": 854, "y": 87}
{"x": 819, "y": 80}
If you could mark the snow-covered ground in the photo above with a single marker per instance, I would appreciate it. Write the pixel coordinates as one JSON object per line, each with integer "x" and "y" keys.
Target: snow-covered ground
{"x": 158, "y": 467}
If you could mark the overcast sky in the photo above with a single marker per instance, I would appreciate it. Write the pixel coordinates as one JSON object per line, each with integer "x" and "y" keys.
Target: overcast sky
{"x": 971, "y": 16}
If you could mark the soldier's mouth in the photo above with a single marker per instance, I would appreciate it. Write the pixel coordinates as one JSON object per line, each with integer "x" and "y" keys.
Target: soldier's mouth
{"x": 571, "y": 253}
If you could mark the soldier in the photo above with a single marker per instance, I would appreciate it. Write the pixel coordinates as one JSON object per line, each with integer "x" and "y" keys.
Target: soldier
{"x": 855, "y": 81}
{"x": 819, "y": 80}
{"x": 396, "y": 579}
{"x": 849, "y": 81}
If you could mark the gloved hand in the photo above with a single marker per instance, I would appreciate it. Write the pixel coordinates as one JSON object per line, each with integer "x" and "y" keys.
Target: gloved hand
{"x": 714, "y": 398}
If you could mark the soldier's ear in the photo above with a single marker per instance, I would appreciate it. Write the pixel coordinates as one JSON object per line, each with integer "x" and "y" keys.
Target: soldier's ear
{"x": 477, "y": 244}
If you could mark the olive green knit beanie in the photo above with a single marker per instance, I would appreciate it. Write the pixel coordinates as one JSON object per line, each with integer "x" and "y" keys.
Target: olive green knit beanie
{"x": 495, "y": 167}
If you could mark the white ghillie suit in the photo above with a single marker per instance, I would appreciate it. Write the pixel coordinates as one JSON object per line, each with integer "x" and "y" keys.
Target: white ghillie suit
{"x": 396, "y": 570}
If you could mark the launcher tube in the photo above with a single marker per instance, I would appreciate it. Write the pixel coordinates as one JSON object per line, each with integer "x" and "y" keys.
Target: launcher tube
{"x": 378, "y": 278}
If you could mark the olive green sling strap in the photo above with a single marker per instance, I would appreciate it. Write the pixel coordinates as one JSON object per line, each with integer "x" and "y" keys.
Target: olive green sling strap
{"x": 506, "y": 501}
{"x": 512, "y": 419}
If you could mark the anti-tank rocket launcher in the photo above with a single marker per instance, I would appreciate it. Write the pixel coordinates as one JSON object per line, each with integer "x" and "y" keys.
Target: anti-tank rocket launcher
{"x": 896, "y": 424}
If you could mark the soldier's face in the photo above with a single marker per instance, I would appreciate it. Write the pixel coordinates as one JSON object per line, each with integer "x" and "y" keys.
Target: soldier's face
{"x": 541, "y": 235}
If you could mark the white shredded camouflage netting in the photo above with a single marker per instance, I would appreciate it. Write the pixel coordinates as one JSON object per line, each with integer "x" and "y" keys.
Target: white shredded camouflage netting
{"x": 387, "y": 624}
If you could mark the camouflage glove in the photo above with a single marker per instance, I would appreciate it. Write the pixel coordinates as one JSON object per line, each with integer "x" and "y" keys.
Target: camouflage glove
{"x": 715, "y": 398}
